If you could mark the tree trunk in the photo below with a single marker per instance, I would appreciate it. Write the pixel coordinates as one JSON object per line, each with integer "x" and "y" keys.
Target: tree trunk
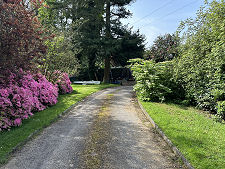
{"x": 107, "y": 70}
{"x": 108, "y": 36}
{"x": 91, "y": 66}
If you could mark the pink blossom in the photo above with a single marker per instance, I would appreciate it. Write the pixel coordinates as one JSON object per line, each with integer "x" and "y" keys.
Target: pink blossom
{"x": 22, "y": 95}
{"x": 62, "y": 81}
{"x": 17, "y": 122}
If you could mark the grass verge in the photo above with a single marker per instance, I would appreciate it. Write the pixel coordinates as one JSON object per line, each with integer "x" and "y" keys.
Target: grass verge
{"x": 10, "y": 139}
{"x": 200, "y": 139}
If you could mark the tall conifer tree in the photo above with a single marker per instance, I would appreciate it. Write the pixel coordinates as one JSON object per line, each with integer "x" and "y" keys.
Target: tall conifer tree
{"x": 114, "y": 11}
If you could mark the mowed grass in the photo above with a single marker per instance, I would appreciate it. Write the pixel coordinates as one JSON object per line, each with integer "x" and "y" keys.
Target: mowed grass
{"x": 199, "y": 138}
{"x": 17, "y": 135}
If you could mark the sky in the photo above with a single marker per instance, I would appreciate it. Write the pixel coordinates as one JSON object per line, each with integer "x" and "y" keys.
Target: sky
{"x": 158, "y": 17}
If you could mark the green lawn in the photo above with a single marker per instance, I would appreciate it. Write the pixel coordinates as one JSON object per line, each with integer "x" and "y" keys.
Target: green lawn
{"x": 10, "y": 139}
{"x": 199, "y": 138}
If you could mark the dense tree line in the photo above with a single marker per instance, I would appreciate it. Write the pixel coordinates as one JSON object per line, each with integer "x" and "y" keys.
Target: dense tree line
{"x": 68, "y": 35}
{"x": 197, "y": 70}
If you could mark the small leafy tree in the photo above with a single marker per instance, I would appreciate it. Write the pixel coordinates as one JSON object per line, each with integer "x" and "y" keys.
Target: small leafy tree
{"x": 60, "y": 56}
{"x": 164, "y": 48}
{"x": 21, "y": 38}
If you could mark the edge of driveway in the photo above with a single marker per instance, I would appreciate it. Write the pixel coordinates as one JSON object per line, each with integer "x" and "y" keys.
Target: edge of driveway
{"x": 38, "y": 131}
{"x": 161, "y": 133}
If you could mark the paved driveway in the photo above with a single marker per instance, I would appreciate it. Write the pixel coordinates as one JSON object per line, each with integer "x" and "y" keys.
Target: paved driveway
{"x": 107, "y": 131}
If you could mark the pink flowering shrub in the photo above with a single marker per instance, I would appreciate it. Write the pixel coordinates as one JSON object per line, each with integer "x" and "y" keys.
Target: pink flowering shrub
{"x": 62, "y": 81}
{"x": 23, "y": 95}
{"x": 47, "y": 92}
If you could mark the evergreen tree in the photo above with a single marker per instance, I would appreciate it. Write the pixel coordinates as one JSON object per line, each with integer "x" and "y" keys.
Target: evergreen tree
{"x": 130, "y": 45}
{"x": 114, "y": 11}
{"x": 87, "y": 30}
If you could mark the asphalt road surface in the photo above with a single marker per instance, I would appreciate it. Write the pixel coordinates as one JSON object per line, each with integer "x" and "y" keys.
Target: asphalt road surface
{"x": 107, "y": 131}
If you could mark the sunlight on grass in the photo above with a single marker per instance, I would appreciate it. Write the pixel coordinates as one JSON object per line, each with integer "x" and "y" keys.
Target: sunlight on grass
{"x": 10, "y": 139}
{"x": 199, "y": 138}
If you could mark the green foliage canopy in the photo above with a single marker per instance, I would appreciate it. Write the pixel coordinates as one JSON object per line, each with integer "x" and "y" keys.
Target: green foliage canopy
{"x": 164, "y": 48}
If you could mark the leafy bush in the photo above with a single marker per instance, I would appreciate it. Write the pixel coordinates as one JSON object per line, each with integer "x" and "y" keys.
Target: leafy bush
{"x": 221, "y": 109}
{"x": 23, "y": 95}
{"x": 154, "y": 80}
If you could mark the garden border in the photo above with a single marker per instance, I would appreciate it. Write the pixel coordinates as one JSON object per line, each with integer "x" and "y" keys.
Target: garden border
{"x": 171, "y": 145}
{"x": 37, "y": 132}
